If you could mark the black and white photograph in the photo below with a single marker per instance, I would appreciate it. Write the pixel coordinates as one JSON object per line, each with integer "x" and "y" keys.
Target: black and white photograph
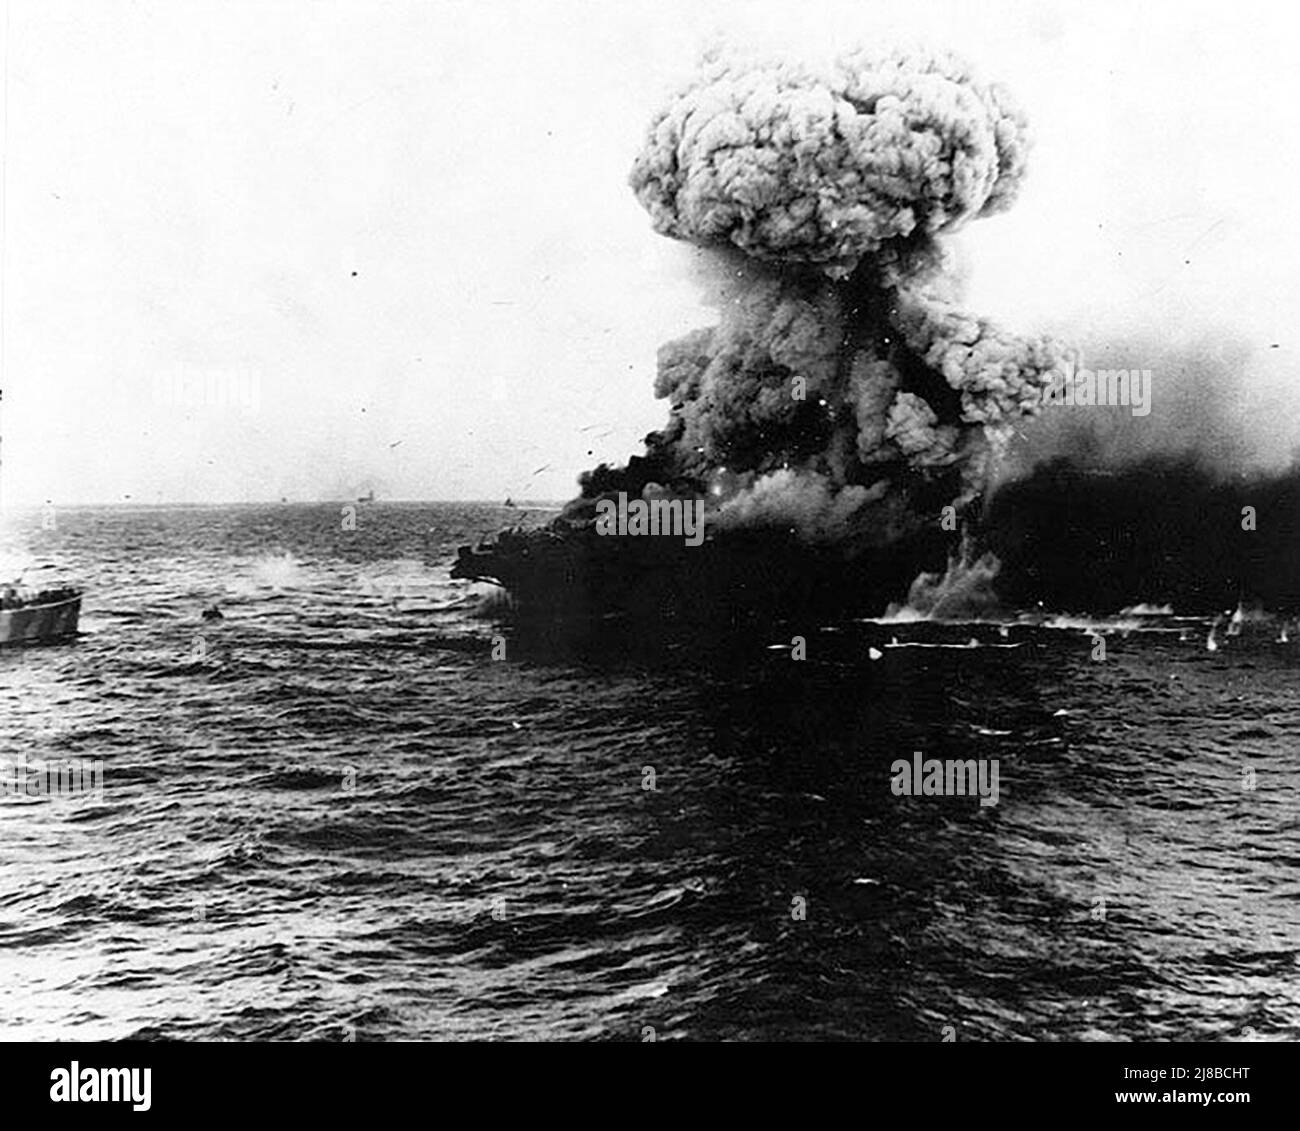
{"x": 650, "y": 522}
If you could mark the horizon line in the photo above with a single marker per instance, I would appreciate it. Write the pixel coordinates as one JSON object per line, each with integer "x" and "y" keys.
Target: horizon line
{"x": 522, "y": 504}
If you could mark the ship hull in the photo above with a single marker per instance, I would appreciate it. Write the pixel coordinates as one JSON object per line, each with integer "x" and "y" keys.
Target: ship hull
{"x": 570, "y": 583}
{"x": 37, "y": 624}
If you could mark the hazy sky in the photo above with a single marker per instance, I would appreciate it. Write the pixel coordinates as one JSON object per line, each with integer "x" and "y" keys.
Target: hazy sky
{"x": 304, "y": 249}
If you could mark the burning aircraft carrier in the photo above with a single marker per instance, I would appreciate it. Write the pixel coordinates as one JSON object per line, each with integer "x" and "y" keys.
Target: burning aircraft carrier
{"x": 844, "y": 416}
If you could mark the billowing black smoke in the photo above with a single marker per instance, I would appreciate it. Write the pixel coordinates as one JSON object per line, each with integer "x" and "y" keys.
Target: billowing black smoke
{"x": 1163, "y": 530}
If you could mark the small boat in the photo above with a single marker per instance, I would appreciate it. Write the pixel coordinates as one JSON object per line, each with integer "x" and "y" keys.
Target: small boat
{"x": 510, "y": 503}
{"x": 28, "y": 617}
{"x": 368, "y": 497}
{"x": 35, "y": 616}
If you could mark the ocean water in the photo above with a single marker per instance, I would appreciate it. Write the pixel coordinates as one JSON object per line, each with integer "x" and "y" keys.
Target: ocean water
{"x": 335, "y": 814}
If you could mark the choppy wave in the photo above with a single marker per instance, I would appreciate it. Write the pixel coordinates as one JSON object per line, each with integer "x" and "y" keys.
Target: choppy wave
{"x": 335, "y": 814}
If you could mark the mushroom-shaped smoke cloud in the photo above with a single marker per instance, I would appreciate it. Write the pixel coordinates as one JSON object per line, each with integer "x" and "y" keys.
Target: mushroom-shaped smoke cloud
{"x": 842, "y": 395}
{"x": 797, "y": 166}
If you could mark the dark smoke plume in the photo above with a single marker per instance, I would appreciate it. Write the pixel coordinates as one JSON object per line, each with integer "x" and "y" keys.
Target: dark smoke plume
{"x": 842, "y": 396}
{"x": 1163, "y": 530}
{"x": 1100, "y": 509}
